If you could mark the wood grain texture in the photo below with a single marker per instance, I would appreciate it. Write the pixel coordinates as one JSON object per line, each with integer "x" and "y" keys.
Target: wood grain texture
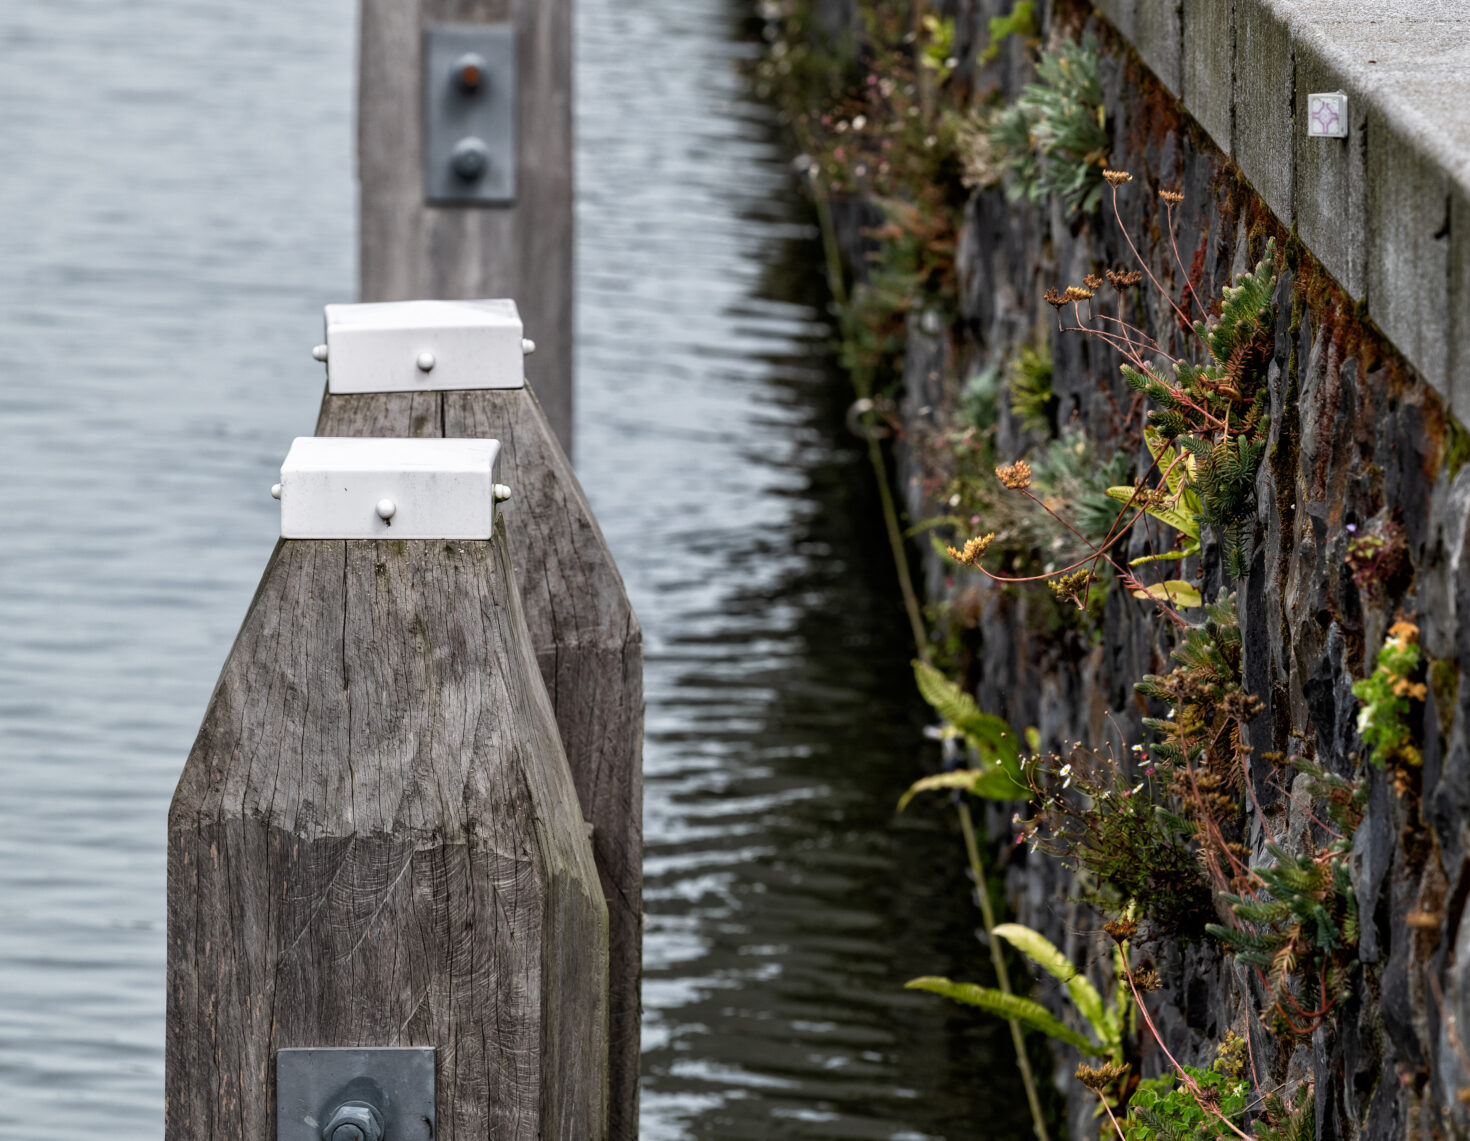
{"x": 408, "y": 249}
{"x": 376, "y": 841}
{"x": 589, "y": 646}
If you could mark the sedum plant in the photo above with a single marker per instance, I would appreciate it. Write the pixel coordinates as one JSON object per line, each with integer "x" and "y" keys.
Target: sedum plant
{"x": 1296, "y": 931}
{"x": 1387, "y": 694}
{"x": 1054, "y": 139}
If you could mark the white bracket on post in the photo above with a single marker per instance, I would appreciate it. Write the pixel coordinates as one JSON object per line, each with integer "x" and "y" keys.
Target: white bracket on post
{"x": 364, "y": 488}
{"x": 421, "y": 346}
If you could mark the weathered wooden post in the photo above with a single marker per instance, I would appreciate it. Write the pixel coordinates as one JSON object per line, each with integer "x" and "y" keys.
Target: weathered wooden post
{"x": 376, "y": 842}
{"x": 464, "y": 125}
{"x": 583, "y": 630}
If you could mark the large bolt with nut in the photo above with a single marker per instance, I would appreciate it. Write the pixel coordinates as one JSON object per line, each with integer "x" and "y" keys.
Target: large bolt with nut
{"x": 353, "y": 1121}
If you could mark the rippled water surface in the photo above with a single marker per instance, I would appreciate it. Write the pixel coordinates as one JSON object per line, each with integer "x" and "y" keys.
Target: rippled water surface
{"x": 175, "y": 207}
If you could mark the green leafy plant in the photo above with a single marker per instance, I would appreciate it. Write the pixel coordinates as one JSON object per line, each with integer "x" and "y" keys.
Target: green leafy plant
{"x": 1299, "y": 928}
{"x": 1283, "y": 1120}
{"x": 993, "y": 745}
{"x": 979, "y": 399}
{"x": 1054, "y": 138}
{"x": 1217, "y": 411}
{"x": 1131, "y": 850}
{"x": 1200, "y": 741}
{"x": 1176, "y": 502}
{"x": 1387, "y": 695}
{"x": 1165, "y": 1109}
{"x": 1033, "y": 402}
{"x": 1019, "y": 21}
{"x": 1212, "y": 1103}
{"x": 938, "y": 53}
{"x": 1208, "y": 431}
{"x": 1104, "y": 1020}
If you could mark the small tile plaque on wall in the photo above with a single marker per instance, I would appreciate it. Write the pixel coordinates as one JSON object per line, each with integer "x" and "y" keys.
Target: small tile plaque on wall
{"x": 1327, "y": 115}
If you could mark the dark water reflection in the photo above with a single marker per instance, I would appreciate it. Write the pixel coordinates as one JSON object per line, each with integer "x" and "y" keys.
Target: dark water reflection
{"x": 175, "y": 207}
{"x": 786, "y": 906}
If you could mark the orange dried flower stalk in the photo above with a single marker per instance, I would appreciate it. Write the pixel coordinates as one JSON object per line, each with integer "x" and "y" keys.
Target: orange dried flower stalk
{"x": 973, "y": 551}
{"x": 1016, "y": 476}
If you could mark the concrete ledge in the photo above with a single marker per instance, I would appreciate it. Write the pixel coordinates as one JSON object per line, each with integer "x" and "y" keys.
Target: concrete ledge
{"x": 1386, "y": 210}
{"x": 1208, "y": 36}
{"x": 1264, "y": 78}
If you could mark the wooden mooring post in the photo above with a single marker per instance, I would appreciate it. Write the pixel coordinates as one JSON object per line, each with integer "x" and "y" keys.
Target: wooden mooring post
{"x": 589, "y": 645}
{"x": 376, "y": 842}
{"x": 390, "y": 708}
{"x": 416, "y": 240}
{"x": 482, "y": 244}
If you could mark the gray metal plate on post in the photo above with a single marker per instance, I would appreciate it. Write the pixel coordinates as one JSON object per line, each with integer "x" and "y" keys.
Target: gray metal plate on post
{"x": 397, "y": 1081}
{"x": 470, "y": 113}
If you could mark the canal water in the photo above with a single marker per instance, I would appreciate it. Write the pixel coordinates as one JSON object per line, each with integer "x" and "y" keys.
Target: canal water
{"x": 175, "y": 207}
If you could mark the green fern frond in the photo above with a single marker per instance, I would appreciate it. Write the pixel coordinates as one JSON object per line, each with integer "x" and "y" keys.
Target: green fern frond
{"x": 1008, "y": 1006}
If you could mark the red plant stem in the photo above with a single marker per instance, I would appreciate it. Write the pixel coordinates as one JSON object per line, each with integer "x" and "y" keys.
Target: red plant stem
{"x": 1306, "y": 807}
{"x": 1129, "y": 328}
{"x": 1189, "y": 1083}
{"x": 1064, "y": 570}
{"x": 1116, "y": 1127}
{"x": 1127, "y": 237}
{"x": 1174, "y": 245}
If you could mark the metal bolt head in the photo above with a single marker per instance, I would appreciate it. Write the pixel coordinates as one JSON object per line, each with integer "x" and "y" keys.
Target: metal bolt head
{"x": 471, "y": 72}
{"x": 425, "y": 362}
{"x": 386, "y": 509}
{"x": 528, "y": 346}
{"x": 353, "y": 1121}
{"x": 275, "y": 491}
{"x": 502, "y": 493}
{"x": 470, "y": 158}
{"x": 319, "y": 353}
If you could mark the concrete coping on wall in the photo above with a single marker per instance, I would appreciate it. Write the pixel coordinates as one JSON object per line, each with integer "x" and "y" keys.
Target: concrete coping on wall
{"x": 1386, "y": 209}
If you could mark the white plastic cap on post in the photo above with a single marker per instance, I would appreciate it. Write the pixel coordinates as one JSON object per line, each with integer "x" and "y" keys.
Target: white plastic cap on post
{"x": 420, "y": 346}
{"x": 365, "y": 488}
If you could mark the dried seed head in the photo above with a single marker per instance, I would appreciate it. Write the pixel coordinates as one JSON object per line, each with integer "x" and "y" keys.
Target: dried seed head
{"x": 1055, "y": 299}
{"x": 1071, "y": 586}
{"x": 1121, "y": 929}
{"x": 1092, "y": 281}
{"x": 1147, "y": 979}
{"x": 1121, "y": 279}
{"x": 1016, "y": 476}
{"x": 1101, "y": 1077}
{"x": 974, "y": 550}
{"x": 1172, "y": 197}
{"x": 1116, "y": 178}
{"x": 1077, "y": 293}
